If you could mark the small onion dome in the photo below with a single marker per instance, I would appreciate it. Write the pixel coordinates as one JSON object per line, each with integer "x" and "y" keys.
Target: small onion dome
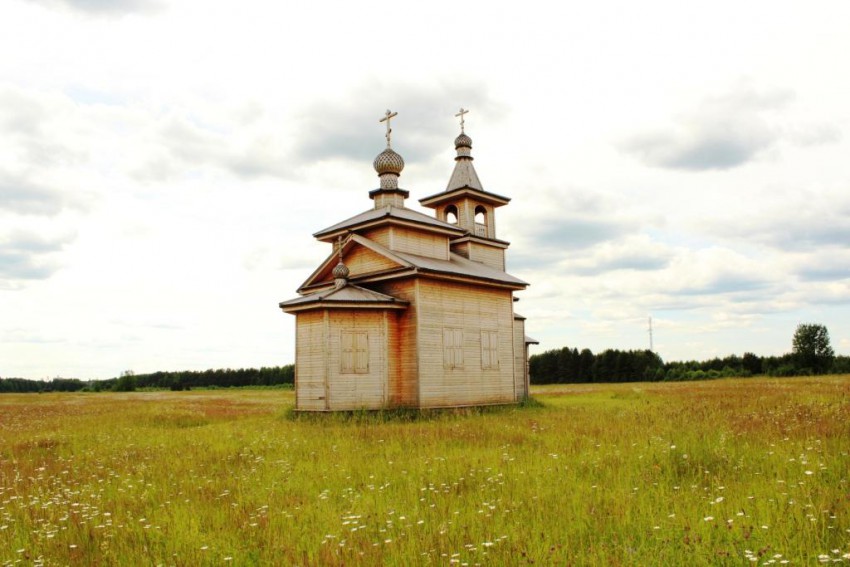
{"x": 340, "y": 271}
{"x": 388, "y": 162}
{"x": 463, "y": 141}
{"x": 463, "y": 145}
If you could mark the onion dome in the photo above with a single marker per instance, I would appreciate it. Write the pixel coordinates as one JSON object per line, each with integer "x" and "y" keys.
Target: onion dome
{"x": 388, "y": 164}
{"x": 463, "y": 145}
{"x": 340, "y": 271}
{"x": 388, "y": 161}
{"x": 463, "y": 141}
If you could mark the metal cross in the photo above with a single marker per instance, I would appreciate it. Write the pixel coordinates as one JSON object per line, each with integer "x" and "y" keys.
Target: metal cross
{"x": 339, "y": 247}
{"x": 386, "y": 119}
{"x": 461, "y": 113}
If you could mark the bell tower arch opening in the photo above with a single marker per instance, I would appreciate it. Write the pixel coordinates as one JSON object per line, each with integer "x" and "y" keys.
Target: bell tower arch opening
{"x": 481, "y": 221}
{"x": 450, "y": 213}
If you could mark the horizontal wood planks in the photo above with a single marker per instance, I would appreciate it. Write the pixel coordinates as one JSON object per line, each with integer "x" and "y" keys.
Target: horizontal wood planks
{"x": 420, "y": 243}
{"x": 361, "y": 260}
{"x": 488, "y": 255}
{"x": 310, "y": 360}
{"x": 357, "y": 390}
{"x": 520, "y": 362}
{"x": 402, "y": 352}
{"x": 380, "y": 235}
{"x": 470, "y": 309}
{"x": 320, "y": 382}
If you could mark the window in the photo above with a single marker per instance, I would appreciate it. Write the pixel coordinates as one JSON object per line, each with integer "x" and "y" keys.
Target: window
{"x": 453, "y": 348}
{"x": 480, "y": 221}
{"x": 355, "y": 352}
{"x": 451, "y": 214}
{"x": 490, "y": 350}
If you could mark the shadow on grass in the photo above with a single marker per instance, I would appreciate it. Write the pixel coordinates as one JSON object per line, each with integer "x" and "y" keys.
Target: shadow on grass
{"x": 408, "y": 415}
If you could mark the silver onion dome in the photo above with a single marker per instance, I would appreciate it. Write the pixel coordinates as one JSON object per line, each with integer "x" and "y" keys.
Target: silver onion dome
{"x": 388, "y": 161}
{"x": 340, "y": 271}
{"x": 463, "y": 141}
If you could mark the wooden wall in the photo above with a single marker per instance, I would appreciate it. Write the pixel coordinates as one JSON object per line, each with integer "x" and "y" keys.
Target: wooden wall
{"x": 380, "y": 235}
{"x": 487, "y": 255}
{"x": 310, "y": 360}
{"x": 520, "y": 361}
{"x": 411, "y": 241}
{"x": 364, "y": 390}
{"x": 402, "y": 354}
{"x": 361, "y": 260}
{"x": 420, "y": 243}
{"x": 462, "y": 248}
{"x": 469, "y": 308}
{"x": 319, "y": 383}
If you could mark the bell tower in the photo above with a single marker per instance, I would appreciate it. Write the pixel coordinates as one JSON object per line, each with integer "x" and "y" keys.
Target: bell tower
{"x": 467, "y": 205}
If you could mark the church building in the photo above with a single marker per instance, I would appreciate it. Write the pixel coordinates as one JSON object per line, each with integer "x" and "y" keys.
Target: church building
{"x": 410, "y": 310}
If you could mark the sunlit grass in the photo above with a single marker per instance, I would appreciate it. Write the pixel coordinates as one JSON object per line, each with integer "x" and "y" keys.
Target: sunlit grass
{"x": 722, "y": 472}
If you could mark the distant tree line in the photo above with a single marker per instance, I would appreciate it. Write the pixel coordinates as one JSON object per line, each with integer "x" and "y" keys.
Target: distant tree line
{"x": 811, "y": 354}
{"x": 180, "y": 380}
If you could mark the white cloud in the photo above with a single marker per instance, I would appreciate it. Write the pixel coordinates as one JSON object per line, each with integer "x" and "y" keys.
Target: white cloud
{"x": 103, "y": 7}
{"x": 722, "y": 133}
{"x": 29, "y": 256}
{"x": 165, "y": 185}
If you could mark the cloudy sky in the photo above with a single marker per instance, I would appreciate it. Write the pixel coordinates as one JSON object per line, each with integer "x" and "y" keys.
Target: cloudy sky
{"x": 163, "y": 165}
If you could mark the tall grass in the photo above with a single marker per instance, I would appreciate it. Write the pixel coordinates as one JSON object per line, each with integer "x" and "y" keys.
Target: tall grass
{"x": 722, "y": 472}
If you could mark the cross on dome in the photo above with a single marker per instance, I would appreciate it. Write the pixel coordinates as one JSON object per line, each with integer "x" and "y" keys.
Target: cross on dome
{"x": 461, "y": 113}
{"x": 340, "y": 271}
{"x": 387, "y": 117}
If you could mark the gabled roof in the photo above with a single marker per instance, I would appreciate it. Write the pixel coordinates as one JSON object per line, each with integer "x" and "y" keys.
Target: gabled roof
{"x": 411, "y": 264}
{"x": 530, "y": 341}
{"x": 322, "y": 274}
{"x": 346, "y": 296}
{"x": 398, "y": 215}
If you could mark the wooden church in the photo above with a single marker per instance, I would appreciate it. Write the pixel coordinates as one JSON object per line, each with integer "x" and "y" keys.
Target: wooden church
{"x": 410, "y": 310}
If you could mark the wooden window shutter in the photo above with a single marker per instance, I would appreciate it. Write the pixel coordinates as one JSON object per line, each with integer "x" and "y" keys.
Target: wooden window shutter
{"x": 361, "y": 353}
{"x": 489, "y": 349}
{"x": 346, "y": 352}
{"x": 458, "y": 348}
{"x": 453, "y": 348}
{"x": 354, "y": 352}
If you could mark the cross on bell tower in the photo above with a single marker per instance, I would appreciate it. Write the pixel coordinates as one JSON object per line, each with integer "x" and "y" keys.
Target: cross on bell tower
{"x": 387, "y": 117}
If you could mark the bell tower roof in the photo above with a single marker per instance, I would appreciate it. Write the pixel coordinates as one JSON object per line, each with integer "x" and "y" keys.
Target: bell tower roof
{"x": 464, "y": 179}
{"x": 464, "y": 174}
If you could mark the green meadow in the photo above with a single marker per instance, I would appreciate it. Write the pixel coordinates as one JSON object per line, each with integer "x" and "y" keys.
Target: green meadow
{"x": 726, "y": 472}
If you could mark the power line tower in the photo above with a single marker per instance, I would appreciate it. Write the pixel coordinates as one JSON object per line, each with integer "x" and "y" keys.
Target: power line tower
{"x": 650, "y": 336}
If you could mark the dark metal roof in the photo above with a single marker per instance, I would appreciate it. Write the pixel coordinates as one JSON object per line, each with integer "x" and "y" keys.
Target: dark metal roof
{"x": 397, "y": 213}
{"x": 460, "y": 266}
{"x": 480, "y": 194}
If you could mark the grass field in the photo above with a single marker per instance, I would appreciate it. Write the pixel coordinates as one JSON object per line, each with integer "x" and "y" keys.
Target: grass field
{"x": 728, "y": 472}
